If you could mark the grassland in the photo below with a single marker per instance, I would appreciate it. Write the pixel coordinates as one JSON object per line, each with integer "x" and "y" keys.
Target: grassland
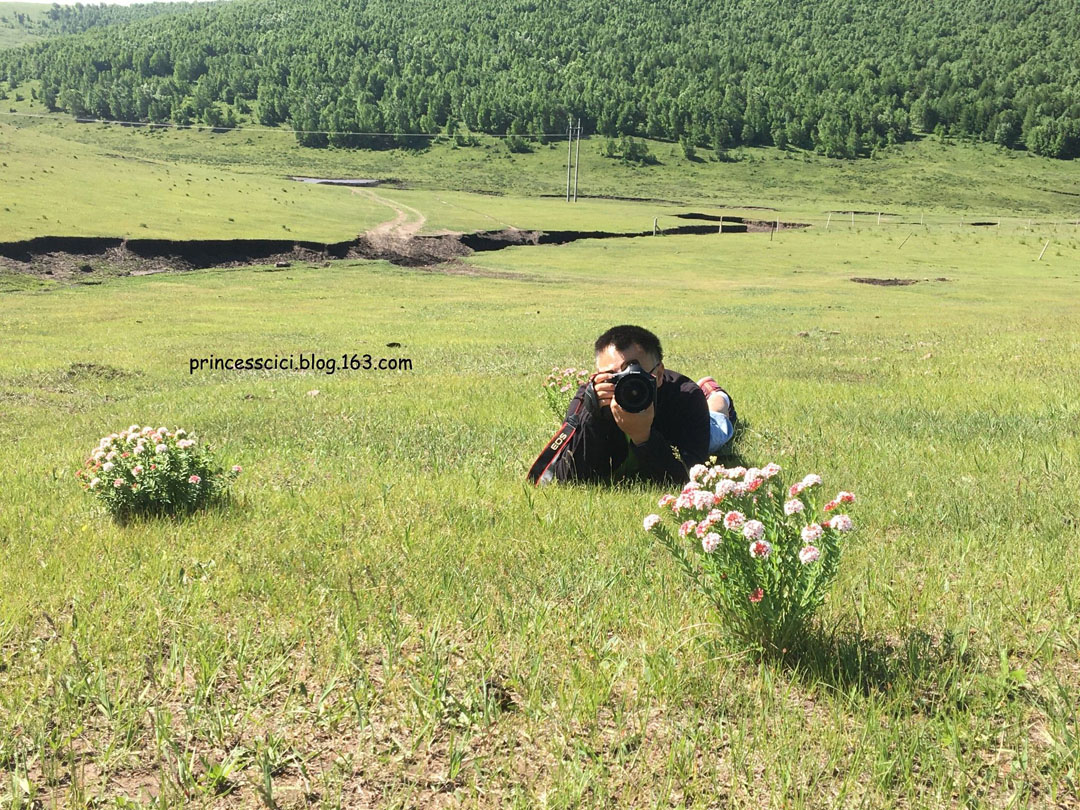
{"x": 387, "y": 617}
{"x": 58, "y": 187}
{"x": 12, "y": 32}
{"x": 927, "y": 180}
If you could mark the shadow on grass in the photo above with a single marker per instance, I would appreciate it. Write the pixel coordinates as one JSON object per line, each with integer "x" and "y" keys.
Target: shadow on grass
{"x": 222, "y": 505}
{"x": 729, "y": 455}
{"x": 849, "y": 660}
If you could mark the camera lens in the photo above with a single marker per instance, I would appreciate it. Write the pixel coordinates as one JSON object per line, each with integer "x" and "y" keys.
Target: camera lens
{"x": 634, "y": 393}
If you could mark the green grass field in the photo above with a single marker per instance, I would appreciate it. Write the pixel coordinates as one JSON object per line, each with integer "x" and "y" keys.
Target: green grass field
{"x": 386, "y": 616}
{"x": 12, "y": 32}
{"x": 196, "y": 184}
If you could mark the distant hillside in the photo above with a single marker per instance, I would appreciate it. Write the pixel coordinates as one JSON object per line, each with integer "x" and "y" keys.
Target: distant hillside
{"x": 840, "y": 76}
{"x": 18, "y": 22}
{"x": 24, "y": 23}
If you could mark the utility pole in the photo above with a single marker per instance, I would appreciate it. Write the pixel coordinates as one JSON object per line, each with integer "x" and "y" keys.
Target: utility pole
{"x": 569, "y": 146}
{"x": 577, "y": 153}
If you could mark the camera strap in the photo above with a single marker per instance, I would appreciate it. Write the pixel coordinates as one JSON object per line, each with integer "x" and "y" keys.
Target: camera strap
{"x": 555, "y": 447}
{"x": 561, "y": 440}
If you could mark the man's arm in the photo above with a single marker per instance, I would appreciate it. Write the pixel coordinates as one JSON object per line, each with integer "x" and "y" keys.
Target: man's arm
{"x": 657, "y": 462}
{"x": 689, "y": 432}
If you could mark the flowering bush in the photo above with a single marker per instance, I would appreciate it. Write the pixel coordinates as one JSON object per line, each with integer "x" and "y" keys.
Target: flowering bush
{"x": 762, "y": 553}
{"x": 153, "y": 470}
{"x": 561, "y": 385}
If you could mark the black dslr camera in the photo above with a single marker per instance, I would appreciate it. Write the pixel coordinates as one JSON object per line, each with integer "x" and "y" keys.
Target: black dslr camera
{"x": 635, "y": 390}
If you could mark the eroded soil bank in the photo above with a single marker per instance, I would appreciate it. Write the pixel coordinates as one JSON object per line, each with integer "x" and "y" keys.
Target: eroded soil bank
{"x": 73, "y": 257}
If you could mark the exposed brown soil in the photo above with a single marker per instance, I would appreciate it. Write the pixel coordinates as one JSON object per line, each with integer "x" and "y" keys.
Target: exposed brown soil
{"x": 894, "y": 282}
{"x": 732, "y": 206}
{"x": 66, "y": 258}
{"x": 80, "y": 258}
{"x": 737, "y": 224}
{"x": 886, "y": 282}
{"x": 865, "y": 213}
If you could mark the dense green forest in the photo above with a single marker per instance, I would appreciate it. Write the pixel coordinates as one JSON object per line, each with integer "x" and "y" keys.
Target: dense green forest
{"x": 842, "y": 76}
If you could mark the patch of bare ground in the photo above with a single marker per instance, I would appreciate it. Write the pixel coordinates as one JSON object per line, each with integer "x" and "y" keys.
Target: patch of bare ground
{"x": 398, "y": 241}
{"x": 83, "y": 260}
{"x": 865, "y": 213}
{"x": 894, "y": 282}
{"x": 885, "y": 282}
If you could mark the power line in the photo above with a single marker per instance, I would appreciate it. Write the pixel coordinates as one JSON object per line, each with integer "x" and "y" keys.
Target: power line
{"x": 285, "y": 130}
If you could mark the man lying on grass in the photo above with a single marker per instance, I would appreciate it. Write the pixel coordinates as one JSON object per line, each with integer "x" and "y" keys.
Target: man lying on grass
{"x": 635, "y": 413}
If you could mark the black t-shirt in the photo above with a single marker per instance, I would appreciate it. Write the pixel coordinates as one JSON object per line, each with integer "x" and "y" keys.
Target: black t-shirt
{"x": 599, "y": 448}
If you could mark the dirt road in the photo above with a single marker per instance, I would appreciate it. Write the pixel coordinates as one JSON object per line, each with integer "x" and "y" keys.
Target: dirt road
{"x": 406, "y": 223}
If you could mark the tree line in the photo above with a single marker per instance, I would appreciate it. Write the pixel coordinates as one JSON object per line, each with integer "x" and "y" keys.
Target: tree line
{"x": 844, "y": 77}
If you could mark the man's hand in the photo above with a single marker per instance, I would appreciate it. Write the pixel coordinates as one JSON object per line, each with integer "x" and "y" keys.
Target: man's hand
{"x": 605, "y": 389}
{"x": 637, "y": 426}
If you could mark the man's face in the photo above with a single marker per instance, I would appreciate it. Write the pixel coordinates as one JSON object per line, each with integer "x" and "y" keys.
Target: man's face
{"x": 611, "y": 359}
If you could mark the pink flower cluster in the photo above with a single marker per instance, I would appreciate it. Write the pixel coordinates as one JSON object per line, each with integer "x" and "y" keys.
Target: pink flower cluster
{"x": 760, "y": 549}
{"x": 565, "y": 380}
{"x": 842, "y": 523}
{"x": 143, "y": 467}
{"x": 811, "y": 480}
{"x": 783, "y": 526}
{"x": 842, "y": 497}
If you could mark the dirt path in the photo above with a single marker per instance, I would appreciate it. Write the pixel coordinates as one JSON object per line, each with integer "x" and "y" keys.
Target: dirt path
{"x": 406, "y": 223}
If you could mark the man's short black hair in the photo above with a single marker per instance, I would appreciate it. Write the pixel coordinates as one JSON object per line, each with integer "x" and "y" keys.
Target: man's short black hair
{"x": 625, "y": 336}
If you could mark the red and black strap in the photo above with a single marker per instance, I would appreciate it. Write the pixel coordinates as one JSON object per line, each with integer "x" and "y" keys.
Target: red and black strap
{"x": 561, "y": 440}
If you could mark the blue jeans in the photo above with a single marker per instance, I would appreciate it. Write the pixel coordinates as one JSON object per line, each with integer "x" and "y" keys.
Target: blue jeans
{"x": 720, "y": 431}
